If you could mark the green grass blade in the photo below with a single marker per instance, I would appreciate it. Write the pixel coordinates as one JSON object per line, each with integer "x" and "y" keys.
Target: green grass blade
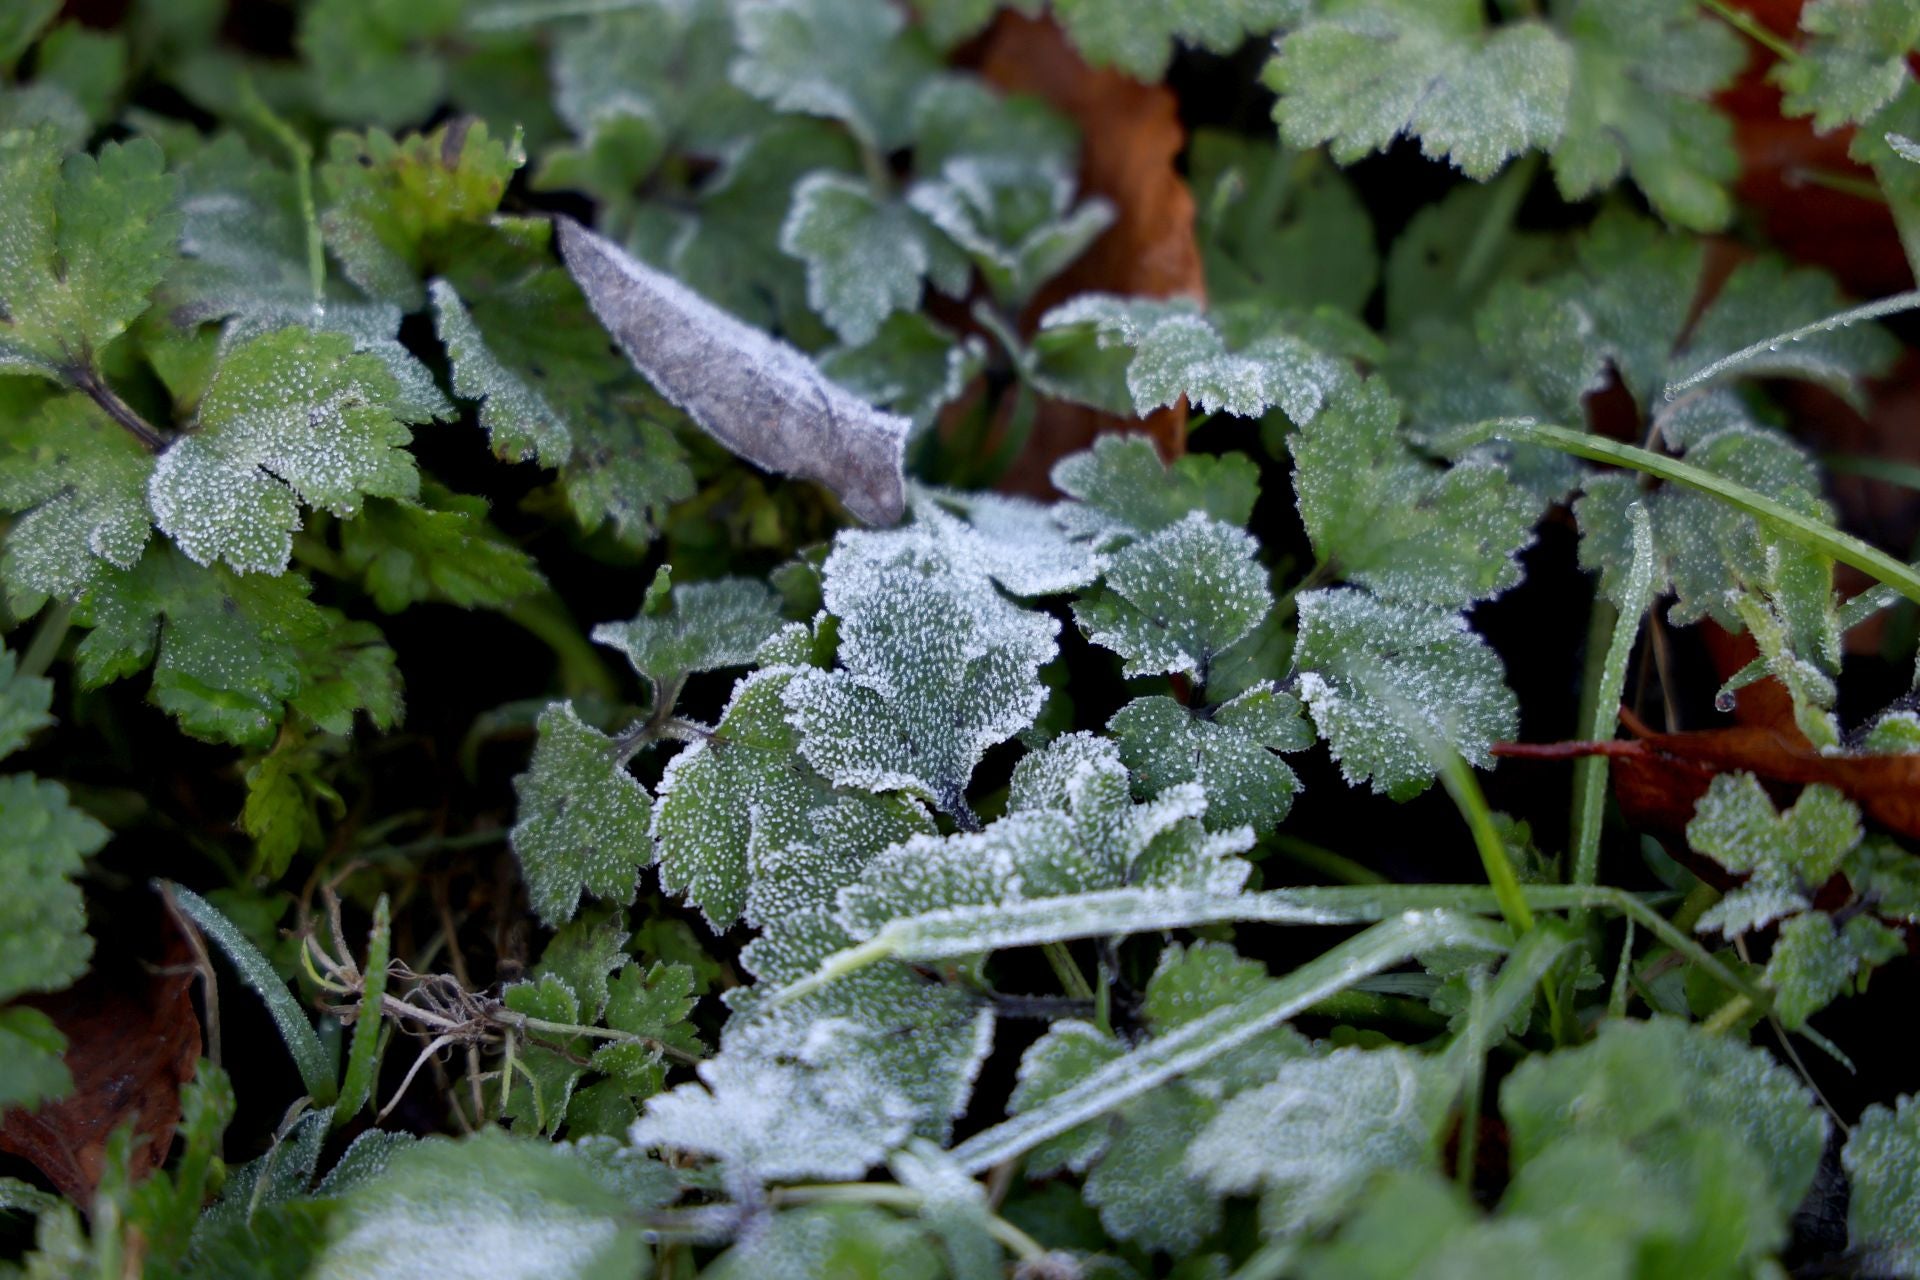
{"x": 1789, "y": 523}
{"x": 363, "y": 1058}
{"x": 316, "y": 1070}
{"x": 1590, "y": 774}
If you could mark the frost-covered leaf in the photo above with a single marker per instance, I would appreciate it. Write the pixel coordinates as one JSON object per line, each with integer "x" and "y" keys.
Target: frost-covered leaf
{"x": 1124, "y": 491}
{"x": 912, "y": 367}
{"x": 866, "y": 256}
{"x": 1280, "y": 227}
{"x": 1324, "y": 1126}
{"x": 1383, "y": 681}
{"x": 1645, "y": 1084}
{"x": 1365, "y": 73}
{"x": 1853, "y": 63}
{"x": 1644, "y": 72}
{"x": 582, "y": 821}
{"x": 855, "y": 61}
{"x": 516, "y": 417}
{"x": 758, "y": 396}
{"x": 704, "y": 626}
{"x": 390, "y": 205}
{"x": 1014, "y": 217}
{"x": 852, "y": 1240}
{"x": 1230, "y": 750}
{"x": 292, "y": 416}
{"x": 1882, "y": 1159}
{"x": 232, "y": 653}
{"x": 1176, "y": 600}
{"x": 442, "y": 548}
{"x": 1816, "y": 956}
{"x": 82, "y": 244}
{"x": 1178, "y": 352}
{"x": 79, "y": 482}
{"x": 935, "y": 667}
{"x": 1379, "y": 515}
{"x": 1140, "y": 41}
{"x": 1785, "y": 856}
{"x": 1014, "y": 541}
{"x": 44, "y": 841}
{"x": 1071, "y": 828}
{"x": 489, "y": 1205}
{"x": 24, "y": 703}
{"x": 767, "y": 1120}
{"x": 1140, "y": 1179}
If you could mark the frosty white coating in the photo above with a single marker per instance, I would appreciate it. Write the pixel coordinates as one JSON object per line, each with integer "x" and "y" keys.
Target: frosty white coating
{"x": 755, "y": 394}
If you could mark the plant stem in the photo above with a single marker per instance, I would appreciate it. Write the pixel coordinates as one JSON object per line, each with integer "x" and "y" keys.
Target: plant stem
{"x": 1891, "y": 305}
{"x": 1495, "y": 225}
{"x": 1472, "y": 803}
{"x": 894, "y": 1196}
{"x": 47, "y": 639}
{"x": 1072, "y": 980}
{"x": 301, "y": 154}
{"x": 1328, "y": 863}
{"x": 87, "y": 380}
{"x": 1796, "y": 527}
{"x": 582, "y": 674}
{"x": 1604, "y": 687}
{"x": 1749, "y": 26}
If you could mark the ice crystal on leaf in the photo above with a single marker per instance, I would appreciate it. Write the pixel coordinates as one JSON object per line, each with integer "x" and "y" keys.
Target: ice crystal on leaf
{"x": 1014, "y": 541}
{"x": 1882, "y": 1159}
{"x": 79, "y": 482}
{"x": 82, "y": 244}
{"x": 293, "y": 416}
{"x": 935, "y": 667}
{"x": 705, "y": 626}
{"x": 1174, "y": 601}
{"x": 866, "y": 256}
{"x": 582, "y": 821}
{"x": 1380, "y": 515}
{"x": 1014, "y": 217}
{"x": 1230, "y": 751}
{"x": 1854, "y": 62}
{"x": 1385, "y": 681}
{"x": 1366, "y": 73}
{"x": 1178, "y": 351}
{"x": 854, "y": 61}
{"x": 1123, "y": 491}
{"x": 1140, "y": 42}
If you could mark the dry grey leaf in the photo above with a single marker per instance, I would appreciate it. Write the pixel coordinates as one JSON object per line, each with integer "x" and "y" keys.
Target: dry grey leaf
{"x": 758, "y": 396}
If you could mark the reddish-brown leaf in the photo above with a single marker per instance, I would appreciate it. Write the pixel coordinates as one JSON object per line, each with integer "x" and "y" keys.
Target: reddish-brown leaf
{"x": 133, "y": 1039}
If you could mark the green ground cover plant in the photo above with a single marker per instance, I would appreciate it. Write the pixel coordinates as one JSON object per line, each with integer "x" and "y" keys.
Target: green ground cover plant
{"x": 524, "y": 591}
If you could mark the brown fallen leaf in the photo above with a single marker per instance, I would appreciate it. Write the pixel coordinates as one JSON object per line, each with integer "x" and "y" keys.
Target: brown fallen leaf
{"x": 1131, "y": 140}
{"x": 1658, "y": 777}
{"x": 133, "y": 1039}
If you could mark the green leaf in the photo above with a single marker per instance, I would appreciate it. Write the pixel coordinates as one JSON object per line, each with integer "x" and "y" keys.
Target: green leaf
{"x": 232, "y": 653}
{"x": 1384, "y": 680}
{"x": 21, "y": 25}
{"x": 1379, "y": 515}
{"x": 31, "y": 1068}
{"x": 1644, "y": 72}
{"x": 582, "y": 818}
{"x": 1646, "y": 1084}
{"x": 316, "y": 1067}
{"x": 866, "y": 256}
{"x": 442, "y": 549}
{"x": 46, "y": 841}
{"x": 1124, "y": 491}
{"x": 363, "y": 1057}
{"x": 1015, "y": 541}
{"x": 652, "y": 1001}
{"x": 392, "y": 206}
{"x": 709, "y": 626}
{"x": 82, "y": 244}
{"x": 1852, "y": 64}
{"x": 89, "y": 65}
{"x": 1280, "y": 227}
{"x": 854, "y": 61}
{"x": 24, "y": 704}
{"x": 1229, "y": 750}
{"x": 515, "y": 416}
{"x": 370, "y": 60}
{"x": 1179, "y": 352}
{"x": 1367, "y": 72}
{"x": 935, "y": 667}
{"x": 1014, "y": 217}
{"x": 911, "y": 366}
{"x": 284, "y": 796}
{"x": 1140, "y": 42}
{"x": 766, "y": 1120}
{"x": 539, "y": 1208}
{"x": 1174, "y": 601}
{"x": 1785, "y": 857}
{"x": 79, "y": 481}
{"x": 1324, "y": 1126}
{"x": 858, "y": 1242}
{"x": 291, "y": 417}
{"x": 1882, "y": 1160}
